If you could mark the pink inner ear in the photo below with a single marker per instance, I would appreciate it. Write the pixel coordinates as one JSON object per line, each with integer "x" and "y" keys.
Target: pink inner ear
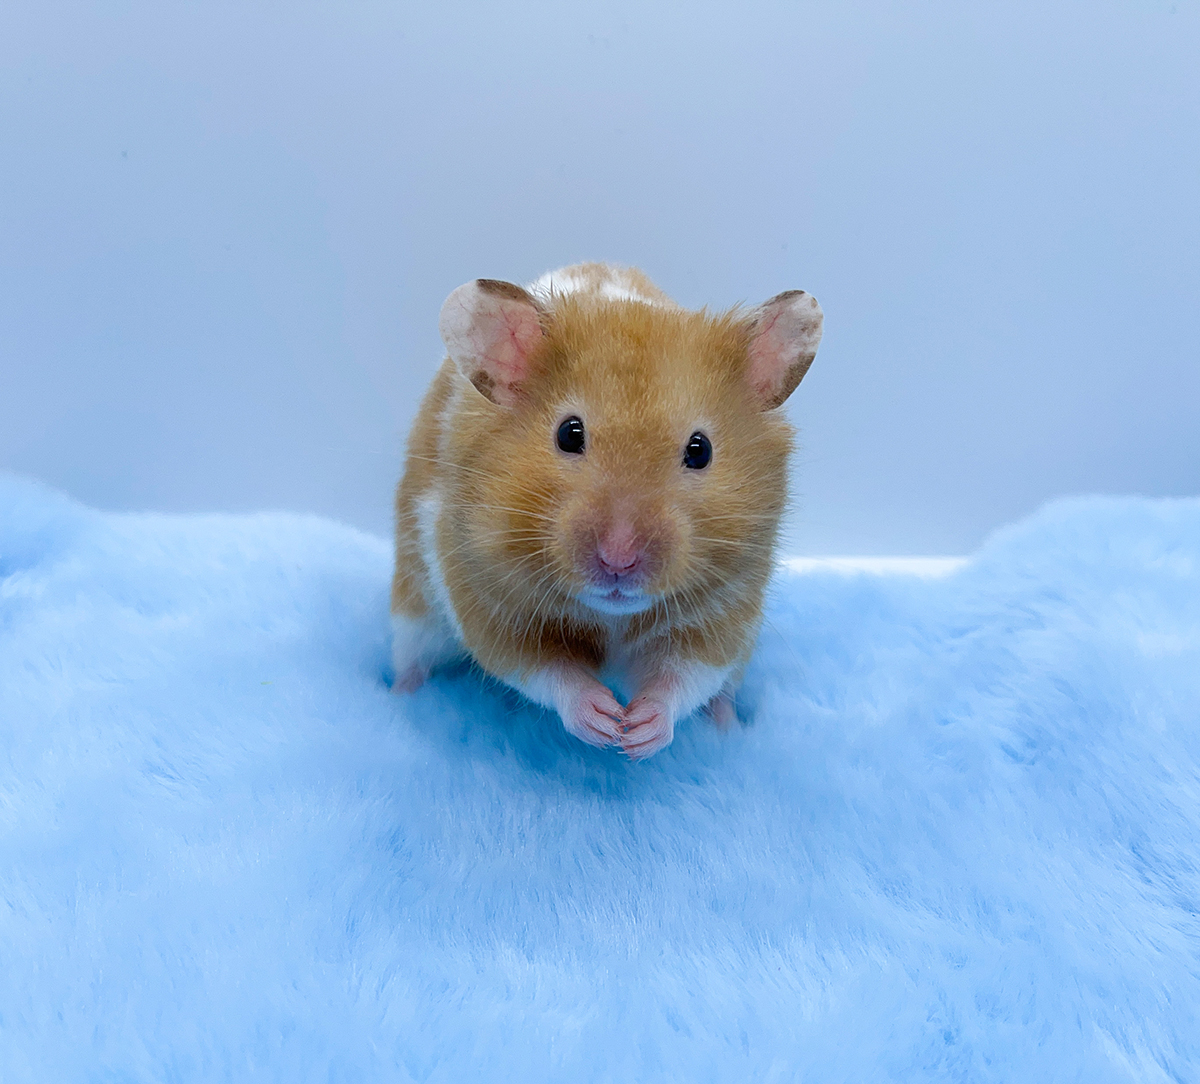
{"x": 771, "y": 355}
{"x": 510, "y": 337}
{"x": 491, "y": 329}
{"x": 786, "y": 332}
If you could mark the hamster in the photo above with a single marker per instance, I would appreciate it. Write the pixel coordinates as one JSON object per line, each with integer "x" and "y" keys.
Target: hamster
{"x": 591, "y": 497}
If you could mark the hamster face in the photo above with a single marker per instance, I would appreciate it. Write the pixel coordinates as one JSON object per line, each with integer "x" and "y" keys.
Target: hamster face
{"x": 636, "y": 470}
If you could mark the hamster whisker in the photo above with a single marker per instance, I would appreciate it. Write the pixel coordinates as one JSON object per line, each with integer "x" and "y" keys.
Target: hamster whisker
{"x": 535, "y": 612}
{"x": 545, "y": 578}
{"x": 786, "y": 642}
{"x": 740, "y": 542}
{"x": 528, "y": 512}
{"x": 748, "y": 522}
{"x": 513, "y": 574}
{"x": 508, "y": 536}
{"x": 740, "y": 516}
{"x": 490, "y": 473}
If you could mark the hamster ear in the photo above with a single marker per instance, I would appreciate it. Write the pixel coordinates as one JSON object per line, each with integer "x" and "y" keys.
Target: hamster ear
{"x": 491, "y": 330}
{"x": 784, "y": 335}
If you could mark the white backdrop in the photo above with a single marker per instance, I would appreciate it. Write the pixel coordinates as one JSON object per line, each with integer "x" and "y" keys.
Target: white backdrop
{"x": 226, "y": 230}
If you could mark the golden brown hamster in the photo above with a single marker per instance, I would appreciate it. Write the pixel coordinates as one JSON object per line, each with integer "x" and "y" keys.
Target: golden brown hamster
{"x": 592, "y": 494}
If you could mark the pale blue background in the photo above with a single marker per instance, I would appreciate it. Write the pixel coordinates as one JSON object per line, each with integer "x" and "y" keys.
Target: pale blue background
{"x": 226, "y": 230}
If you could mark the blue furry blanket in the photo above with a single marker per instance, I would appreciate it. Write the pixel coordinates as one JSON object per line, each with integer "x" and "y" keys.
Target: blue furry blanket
{"x": 957, "y": 838}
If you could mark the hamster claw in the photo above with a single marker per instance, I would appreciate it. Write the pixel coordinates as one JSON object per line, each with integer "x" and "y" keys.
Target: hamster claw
{"x": 595, "y": 717}
{"x": 649, "y": 728}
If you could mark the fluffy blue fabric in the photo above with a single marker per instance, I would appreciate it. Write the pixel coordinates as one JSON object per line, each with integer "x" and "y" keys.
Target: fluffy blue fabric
{"x": 957, "y": 838}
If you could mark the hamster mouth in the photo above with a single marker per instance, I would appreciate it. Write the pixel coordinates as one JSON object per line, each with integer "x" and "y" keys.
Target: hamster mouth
{"x": 616, "y": 600}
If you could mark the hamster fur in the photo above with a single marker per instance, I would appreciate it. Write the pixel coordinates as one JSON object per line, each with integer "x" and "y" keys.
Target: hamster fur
{"x": 616, "y": 556}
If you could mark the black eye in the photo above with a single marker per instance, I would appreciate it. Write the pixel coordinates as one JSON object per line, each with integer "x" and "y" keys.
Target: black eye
{"x": 570, "y": 436}
{"x": 698, "y": 453}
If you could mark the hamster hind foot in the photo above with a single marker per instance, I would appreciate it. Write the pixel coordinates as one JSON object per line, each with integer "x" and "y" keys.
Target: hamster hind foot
{"x": 418, "y": 645}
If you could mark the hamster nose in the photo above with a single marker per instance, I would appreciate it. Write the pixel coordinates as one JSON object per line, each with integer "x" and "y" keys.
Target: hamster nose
{"x": 618, "y": 566}
{"x": 618, "y": 553}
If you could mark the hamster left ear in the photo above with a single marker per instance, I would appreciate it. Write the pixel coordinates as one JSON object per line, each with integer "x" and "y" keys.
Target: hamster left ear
{"x": 784, "y": 335}
{"x": 491, "y": 330}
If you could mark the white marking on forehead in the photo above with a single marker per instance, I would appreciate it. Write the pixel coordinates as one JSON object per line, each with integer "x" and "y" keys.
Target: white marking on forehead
{"x": 612, "y": 292}
{"x": 616, "y": 285}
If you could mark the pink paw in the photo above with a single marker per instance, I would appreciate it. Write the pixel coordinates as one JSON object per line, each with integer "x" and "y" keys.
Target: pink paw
{"x": 593, "y": 715}
{"x": 721, "y": 710}
{"x": 649, "y": 728}
{"x": 411, "y": 680}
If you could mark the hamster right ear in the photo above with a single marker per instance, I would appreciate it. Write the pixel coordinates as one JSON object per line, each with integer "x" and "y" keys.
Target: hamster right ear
{"x": 784, "y": 335}
{"x": 491, "y": 330}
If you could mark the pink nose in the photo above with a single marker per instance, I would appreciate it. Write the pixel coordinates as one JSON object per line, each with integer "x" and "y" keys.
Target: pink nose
{"x": 618, "y": 565}
{"x": 619, "y": 554}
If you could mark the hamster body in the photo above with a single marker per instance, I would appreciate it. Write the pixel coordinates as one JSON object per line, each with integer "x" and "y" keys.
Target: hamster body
{"x": 592, "y": 494}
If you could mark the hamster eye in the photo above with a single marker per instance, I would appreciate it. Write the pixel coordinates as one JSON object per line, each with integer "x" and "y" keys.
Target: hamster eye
{"x": 698, "y": 453}
{"x": 570, "y": 436}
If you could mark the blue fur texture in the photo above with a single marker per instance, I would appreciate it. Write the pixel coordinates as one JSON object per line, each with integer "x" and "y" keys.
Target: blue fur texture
{"x": 956, "y": 839}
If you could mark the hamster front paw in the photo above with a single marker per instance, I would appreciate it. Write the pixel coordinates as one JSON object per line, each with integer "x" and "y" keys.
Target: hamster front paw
{"x": 587, "y": 709}
{"x": 592, "y": 714}
{"x": 649, "y": 727}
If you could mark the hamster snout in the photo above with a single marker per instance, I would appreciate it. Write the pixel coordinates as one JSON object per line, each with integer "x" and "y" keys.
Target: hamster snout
{"x": 620, "y": 556}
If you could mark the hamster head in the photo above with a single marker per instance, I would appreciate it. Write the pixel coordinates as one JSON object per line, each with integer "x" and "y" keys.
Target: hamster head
{"x": 622, "y": 456}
